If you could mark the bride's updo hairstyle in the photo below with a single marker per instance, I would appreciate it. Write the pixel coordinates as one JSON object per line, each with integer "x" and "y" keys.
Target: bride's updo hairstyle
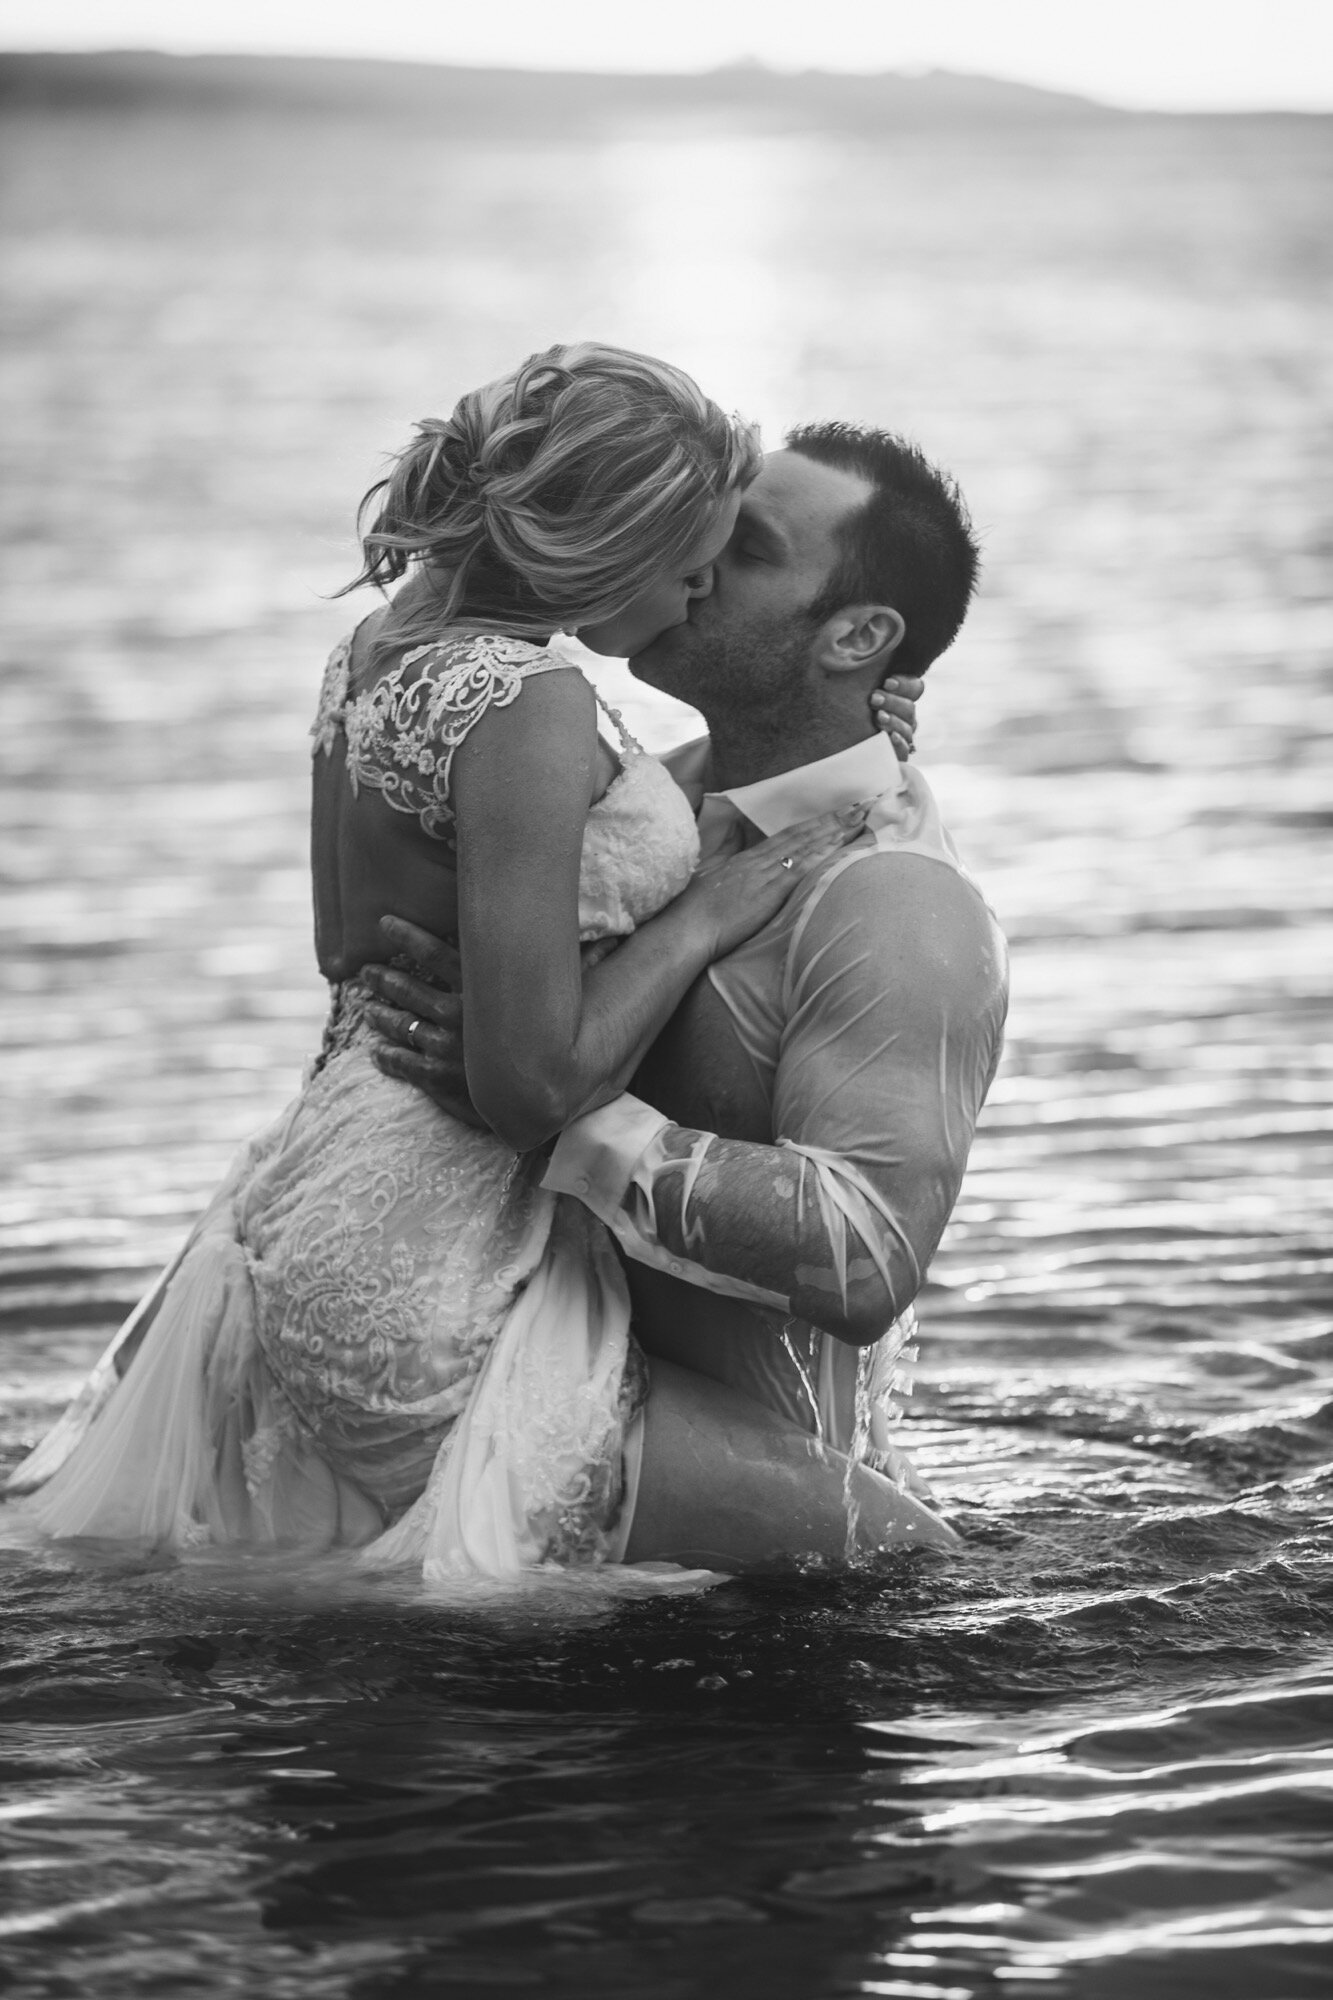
{"x": 552, "y": 498}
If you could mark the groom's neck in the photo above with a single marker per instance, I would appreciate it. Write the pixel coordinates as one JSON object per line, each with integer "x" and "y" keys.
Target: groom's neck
{"x": 745, "y": 749}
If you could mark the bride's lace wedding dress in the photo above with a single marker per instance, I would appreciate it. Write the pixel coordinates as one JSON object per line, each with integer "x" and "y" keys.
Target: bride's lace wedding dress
{"x": 383, "y": 1333}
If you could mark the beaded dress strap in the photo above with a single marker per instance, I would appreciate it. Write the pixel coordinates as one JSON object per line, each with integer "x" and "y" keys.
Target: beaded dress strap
{"x": 566, "y": 651}
{"x": 627, "y": 741}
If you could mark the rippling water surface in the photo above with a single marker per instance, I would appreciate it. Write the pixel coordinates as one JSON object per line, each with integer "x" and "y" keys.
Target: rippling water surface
{"x": 1094, "y": 1753}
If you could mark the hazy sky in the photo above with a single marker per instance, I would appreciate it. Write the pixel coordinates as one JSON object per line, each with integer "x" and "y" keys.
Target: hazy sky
{"x": 1155, "y": 53}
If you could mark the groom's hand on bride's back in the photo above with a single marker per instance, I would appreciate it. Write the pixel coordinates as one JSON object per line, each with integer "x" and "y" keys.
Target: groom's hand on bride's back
{"x": 418, "y": 1013}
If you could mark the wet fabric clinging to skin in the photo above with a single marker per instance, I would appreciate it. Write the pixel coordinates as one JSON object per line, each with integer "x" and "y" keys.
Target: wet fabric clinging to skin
{"x": 868, "y": 1060}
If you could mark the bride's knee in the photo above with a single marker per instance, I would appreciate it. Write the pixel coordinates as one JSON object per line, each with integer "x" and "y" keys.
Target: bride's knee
{"x": 721, "y": 1473}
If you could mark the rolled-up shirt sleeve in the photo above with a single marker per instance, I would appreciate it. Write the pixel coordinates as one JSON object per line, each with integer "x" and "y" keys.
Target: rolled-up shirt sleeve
{"x": 893, "y": 1003}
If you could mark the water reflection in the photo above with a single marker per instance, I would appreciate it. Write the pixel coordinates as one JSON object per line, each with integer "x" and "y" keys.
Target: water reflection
{"x": 810, "y": 1784}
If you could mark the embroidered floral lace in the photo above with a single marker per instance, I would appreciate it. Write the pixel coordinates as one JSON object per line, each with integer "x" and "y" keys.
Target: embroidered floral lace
{"x": 402, "y": 731}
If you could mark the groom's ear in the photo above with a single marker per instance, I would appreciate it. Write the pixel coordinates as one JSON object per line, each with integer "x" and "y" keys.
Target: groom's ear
{"x": 859, "y": 637}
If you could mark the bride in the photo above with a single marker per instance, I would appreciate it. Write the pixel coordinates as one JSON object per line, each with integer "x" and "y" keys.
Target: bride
{"x": 383, "y": 1333}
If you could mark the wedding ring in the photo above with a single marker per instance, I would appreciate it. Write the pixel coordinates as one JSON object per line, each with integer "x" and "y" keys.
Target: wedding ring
{"x": 786, "y": 862}
{"x": 412, "y": 1027}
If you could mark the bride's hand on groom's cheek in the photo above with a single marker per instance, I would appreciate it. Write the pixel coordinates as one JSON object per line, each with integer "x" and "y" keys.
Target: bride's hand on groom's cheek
{"x": 893, "y": 707}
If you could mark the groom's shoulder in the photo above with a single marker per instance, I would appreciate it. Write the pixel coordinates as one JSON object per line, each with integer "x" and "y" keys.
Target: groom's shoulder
{"x": 896, "y": 901}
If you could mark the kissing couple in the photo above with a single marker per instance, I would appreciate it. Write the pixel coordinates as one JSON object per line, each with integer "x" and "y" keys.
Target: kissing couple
{"x": 592, "y": 1237}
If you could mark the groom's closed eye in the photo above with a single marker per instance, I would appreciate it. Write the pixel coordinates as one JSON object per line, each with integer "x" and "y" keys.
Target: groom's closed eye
{"x": 755, "y": 541}
{"x": 750, "y": 544}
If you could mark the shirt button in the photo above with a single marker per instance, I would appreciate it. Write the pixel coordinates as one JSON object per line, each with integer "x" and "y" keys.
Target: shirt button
{"x": 676, "y": 1268}
{"x": 583, "y": 1183}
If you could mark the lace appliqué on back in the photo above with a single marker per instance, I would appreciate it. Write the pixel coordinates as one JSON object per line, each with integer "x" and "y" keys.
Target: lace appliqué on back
{"x": 333, "y": 691}
{"x": 403, "y": 731}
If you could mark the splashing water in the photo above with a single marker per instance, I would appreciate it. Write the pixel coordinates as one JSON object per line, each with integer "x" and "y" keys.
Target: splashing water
{"x": 804, "y": 1376}
{"x": 860, "y": 1444}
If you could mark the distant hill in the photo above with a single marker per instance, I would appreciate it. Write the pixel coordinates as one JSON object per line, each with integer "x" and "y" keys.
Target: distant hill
{"x": 745, "y": 93}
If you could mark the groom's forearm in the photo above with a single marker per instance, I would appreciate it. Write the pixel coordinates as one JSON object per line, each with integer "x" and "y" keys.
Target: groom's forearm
{"x": 821, "y": 1236}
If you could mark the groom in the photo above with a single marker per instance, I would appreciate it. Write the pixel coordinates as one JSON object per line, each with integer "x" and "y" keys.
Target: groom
{"x": 797, "y": 1136}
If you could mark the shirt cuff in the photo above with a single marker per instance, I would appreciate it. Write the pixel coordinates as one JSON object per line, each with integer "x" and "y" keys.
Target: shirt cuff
{"x": 595, "y": 1156}
{"x": 609, "y": 1160}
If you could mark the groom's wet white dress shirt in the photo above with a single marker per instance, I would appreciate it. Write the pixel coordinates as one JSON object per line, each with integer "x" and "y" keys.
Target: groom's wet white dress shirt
{"x": 818, "y": 1093}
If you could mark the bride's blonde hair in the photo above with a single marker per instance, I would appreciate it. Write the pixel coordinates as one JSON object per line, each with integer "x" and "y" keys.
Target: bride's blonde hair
{"x": 551, "y": 498}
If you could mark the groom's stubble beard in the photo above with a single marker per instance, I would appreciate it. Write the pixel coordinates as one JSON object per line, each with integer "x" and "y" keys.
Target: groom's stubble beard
{"x": 751, "y": 684}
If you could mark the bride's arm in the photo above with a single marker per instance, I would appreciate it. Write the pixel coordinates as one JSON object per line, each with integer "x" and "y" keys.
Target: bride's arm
{"x": 543, "y": 1040}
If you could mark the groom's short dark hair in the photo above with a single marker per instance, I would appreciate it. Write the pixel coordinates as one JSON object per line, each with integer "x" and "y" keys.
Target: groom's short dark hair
{"x": 911, "y": 545}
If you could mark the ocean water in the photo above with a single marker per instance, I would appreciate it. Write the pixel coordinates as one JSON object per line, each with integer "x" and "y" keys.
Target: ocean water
{"x": 1092, "y": 1753}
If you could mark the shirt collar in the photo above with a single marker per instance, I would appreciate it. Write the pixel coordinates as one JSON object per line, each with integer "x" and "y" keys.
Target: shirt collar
{"x": 866, "y": 771}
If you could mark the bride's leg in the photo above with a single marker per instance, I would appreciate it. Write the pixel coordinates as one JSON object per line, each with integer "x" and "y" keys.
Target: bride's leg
{"x": 726, "y": 1484}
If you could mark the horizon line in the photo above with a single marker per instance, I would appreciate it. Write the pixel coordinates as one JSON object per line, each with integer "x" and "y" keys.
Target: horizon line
{"x": 739, "y": 65}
